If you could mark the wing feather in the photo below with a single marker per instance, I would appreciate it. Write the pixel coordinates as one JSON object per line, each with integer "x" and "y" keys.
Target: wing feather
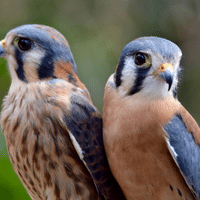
{"x": 85, "y": 126}
{"x": 187, "y": 151}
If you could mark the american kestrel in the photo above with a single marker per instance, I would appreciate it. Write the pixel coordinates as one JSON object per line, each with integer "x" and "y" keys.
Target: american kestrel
{"x": 151, "y": 141}
{"x": 53, "y": 131}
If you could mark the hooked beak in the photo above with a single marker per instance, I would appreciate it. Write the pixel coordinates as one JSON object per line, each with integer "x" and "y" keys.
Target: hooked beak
{"x": 2, "y": 49}
{"x": 166, "y": 72}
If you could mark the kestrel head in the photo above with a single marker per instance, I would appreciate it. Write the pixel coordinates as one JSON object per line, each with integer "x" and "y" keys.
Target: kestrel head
{"x": 148, "y": 66}
{"x": 37, "y": 52}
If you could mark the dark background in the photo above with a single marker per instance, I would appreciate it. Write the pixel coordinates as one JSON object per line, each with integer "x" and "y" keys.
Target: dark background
{"x": 97, "y": 31}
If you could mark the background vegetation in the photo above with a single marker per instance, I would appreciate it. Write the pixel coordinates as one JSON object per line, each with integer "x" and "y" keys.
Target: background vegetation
{"x": 97, "y": 31}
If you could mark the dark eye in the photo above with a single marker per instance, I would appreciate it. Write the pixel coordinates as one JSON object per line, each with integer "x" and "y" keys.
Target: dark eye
{"x": 142, "y": 60}
{"x": 24, "y": 44}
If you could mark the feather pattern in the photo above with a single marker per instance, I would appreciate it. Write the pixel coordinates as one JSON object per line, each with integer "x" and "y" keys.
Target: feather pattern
{"x": 151, "y": 141}
{"x": 53, "y": 131}
{"x": 187, "y": 150}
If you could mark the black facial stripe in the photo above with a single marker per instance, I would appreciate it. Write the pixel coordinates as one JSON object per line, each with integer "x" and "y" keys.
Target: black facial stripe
{"x": 141, "y": 74}
{"x": 120, "y": 66}
{"x": 118, "y": 73}
{"x": 46, "y": 67}
{"x": 20, "y": 69}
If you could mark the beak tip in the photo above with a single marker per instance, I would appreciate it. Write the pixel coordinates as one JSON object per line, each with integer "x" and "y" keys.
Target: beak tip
{"x": 166, "y": 72}
{"x": 167, "y": 76}
{"x": 2, "y": 52}
{"x": 170, "y": 85}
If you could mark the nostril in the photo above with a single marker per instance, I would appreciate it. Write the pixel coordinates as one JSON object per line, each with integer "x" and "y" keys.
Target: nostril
{"x": 162, "y": 68}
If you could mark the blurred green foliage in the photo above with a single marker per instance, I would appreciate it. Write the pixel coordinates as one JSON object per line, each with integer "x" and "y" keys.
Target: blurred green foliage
{"x": 97, "y": 31}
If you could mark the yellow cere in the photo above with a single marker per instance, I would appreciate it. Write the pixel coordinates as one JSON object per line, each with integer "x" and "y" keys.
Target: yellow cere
{"x": 3, "y": 43}
{"x": 165, "y": 66}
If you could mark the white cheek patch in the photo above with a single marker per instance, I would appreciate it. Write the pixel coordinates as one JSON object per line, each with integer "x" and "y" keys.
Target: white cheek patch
{"x": 154, "y": 88}
{"x": 128, "y": 75}
{"x": 34, "y": 56}
{"x": 31, "y": 62}
{"x": 12, "y": 66}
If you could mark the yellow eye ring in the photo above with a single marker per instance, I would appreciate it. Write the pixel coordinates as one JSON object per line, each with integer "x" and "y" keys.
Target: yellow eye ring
{"x": 23, "y": 44}
{"x": 142, "y": 60}
{"x": 15, "y": 41}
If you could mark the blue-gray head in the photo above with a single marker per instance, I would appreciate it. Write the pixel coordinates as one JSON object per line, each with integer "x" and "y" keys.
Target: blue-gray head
{"x": 37, "y": 52}
{"x": 149, "y": 66}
